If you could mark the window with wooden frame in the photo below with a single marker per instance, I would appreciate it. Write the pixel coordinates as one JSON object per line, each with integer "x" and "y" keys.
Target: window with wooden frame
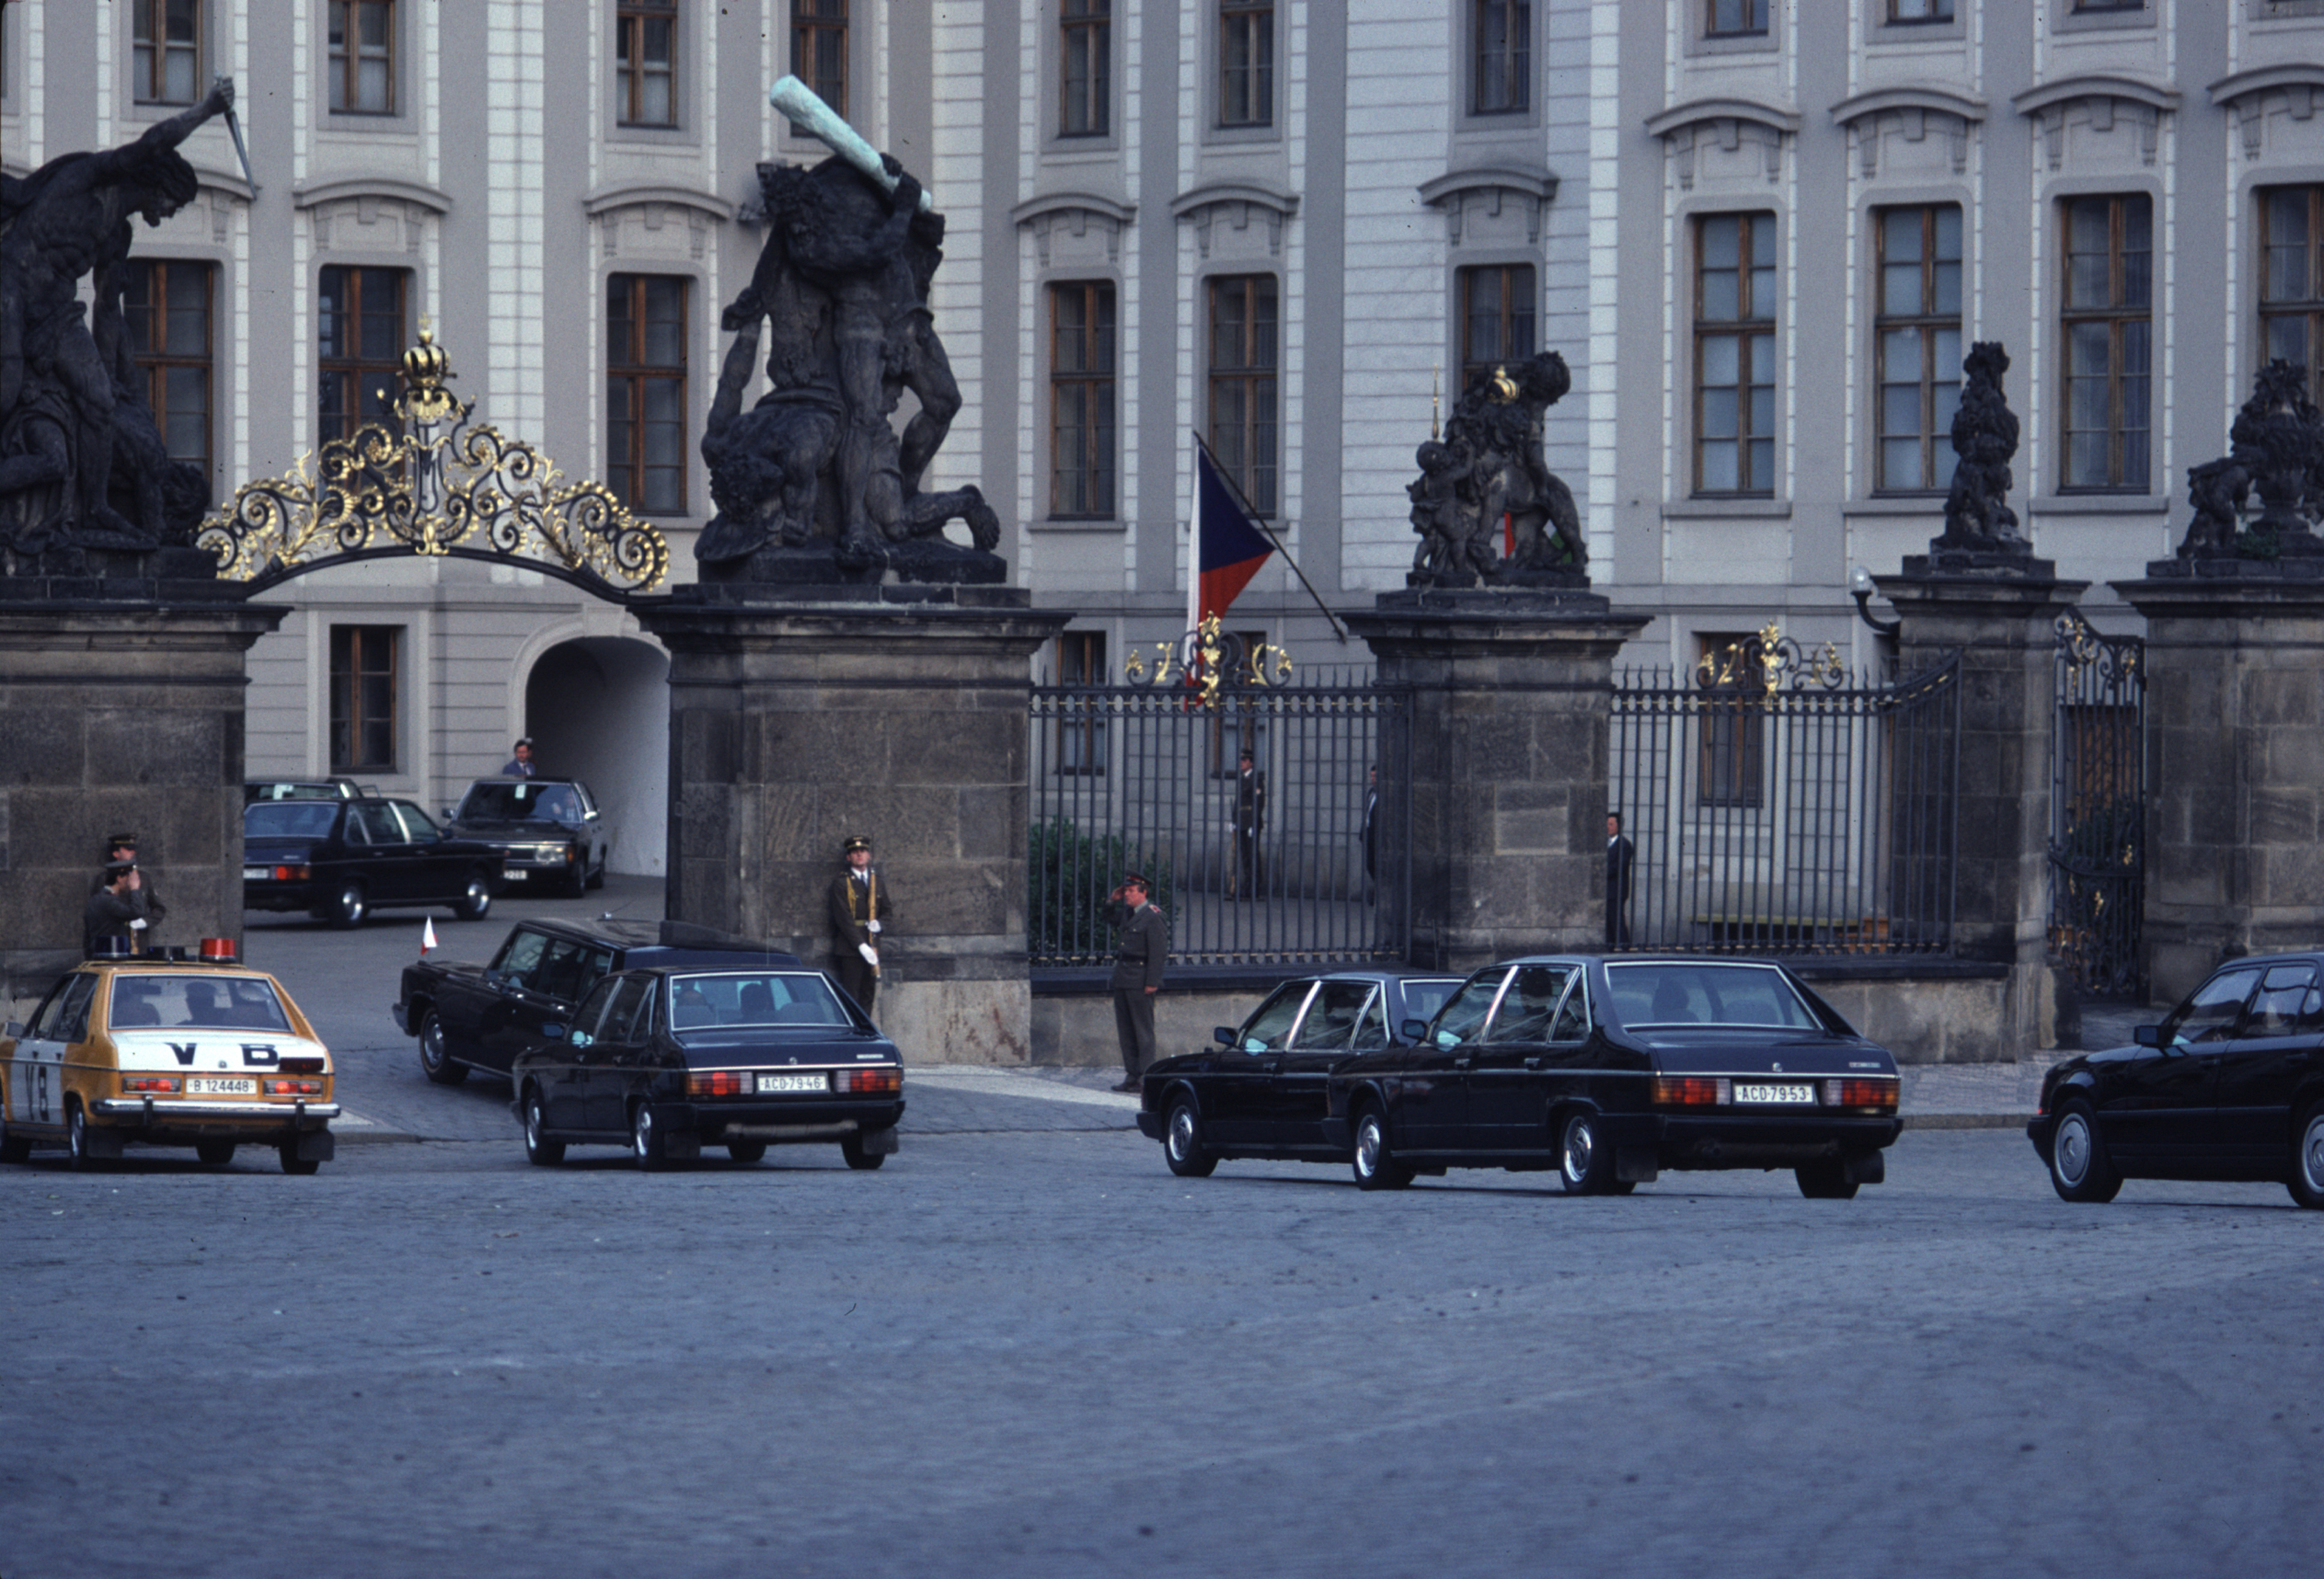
{"x": 1731, "y": 756}
{"x": 2108, "y": 328}
{"x": 1498, "y": 315}
{"x": 645, "y": 61}
{"x": 645, "y": 391}
{"x": 1081, "y": 737}
{"x": 2291, "y": 278}
{"x": 1082, "y": 394}
{"x": 1246, "y": 63}
{"x": 1086, "y": 68}
{"x": 1730, "y": 19}
{"x": 1243, "y": 365}
{"x": 1917, "y": 344}
{"x": 363, "y": 661}
{"x": 360, "y": 337}
{"x": 166, "y": 308}
{"x": 166, "y": 44}
{"x": 1502, "y": 83}
{"x": 1908, "y": 12}
{"x": 361, "y": 34}
{"x": 819, "y": 50}
{"x": 1735, "y": 296}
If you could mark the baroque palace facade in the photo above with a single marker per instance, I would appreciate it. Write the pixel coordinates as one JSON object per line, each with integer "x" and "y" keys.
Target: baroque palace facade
{"x": 1762, "y": 233}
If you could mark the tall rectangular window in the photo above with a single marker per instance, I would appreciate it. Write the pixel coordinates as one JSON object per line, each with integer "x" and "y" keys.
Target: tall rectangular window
{"x": 645, "y": 59}
{"x": 819, "y": 48}
{"x": 1503, "y": 56}
{"x": 1086, "y": 68}
{"x": 360, "y": 333}
{"x": 2292, "y": 277}
{"x": 1918, "y": 335}
{"x": 1727, "y": 19}
{"x": 1730, "y": 763}
{"x": 364, "y": 697}
{"x": 167, "y": 306}
{"x": 167, "y": 37}
{"x": 1081, "y": 363}
{"x": 1246, "y": 63}
{"x": 1498, "y": 315}
{"x": 1243, "y": 361}
{"x": 362, "y": 56}
{"x": 2108, "y": 327}
{"x": 1735, "y": 353}
{"x": 1081, "y": 738}
{"x": 645, "y": 391}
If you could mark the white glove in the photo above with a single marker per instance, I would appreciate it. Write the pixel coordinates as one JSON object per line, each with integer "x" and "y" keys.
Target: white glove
{"x": 871, "y": 955}
{"x": 873, "y": 927}
{"x": 137, "y": 926}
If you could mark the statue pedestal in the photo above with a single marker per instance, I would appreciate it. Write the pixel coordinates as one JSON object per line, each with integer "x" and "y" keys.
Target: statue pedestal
{"x": 1510, "y": 698}
{"x": 800, "y": 715}
{"x": 121, "y": 711}
{"x": 2235, "y": 710}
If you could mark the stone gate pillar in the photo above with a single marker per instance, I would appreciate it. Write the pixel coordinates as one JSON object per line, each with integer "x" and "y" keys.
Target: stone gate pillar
{"x": 801, "y": 716}
{"x": 1511, "y": 694}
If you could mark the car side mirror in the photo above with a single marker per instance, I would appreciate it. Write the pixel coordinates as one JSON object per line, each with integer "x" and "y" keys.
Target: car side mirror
{"x": 15, "y": 1032}
{"x": 1413, "y": 1031}
{"x": 553, "y": 1032}
{"x": 2148, "y": 1036}
{"x": 1223, "y": 1035}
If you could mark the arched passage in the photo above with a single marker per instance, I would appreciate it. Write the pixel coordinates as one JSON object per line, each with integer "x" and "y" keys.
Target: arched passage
{"x": 597, "y": 708}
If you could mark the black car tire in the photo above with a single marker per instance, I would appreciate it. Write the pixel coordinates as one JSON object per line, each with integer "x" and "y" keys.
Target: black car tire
{"x": 645, "y": 1139}
{"x": 77, "y": 1140}
{"x": 539, "y": 1149}
{"x": 347, "y": 907}
{"x": 746, "y": 1150}
{"x": 214, "y": 1153}
{"x": 576, "y": 875}
{"x": 476, "y": 900}
{"x": 851, "y": 1148}
{"x": 435, "y": 1060}
{"x": 2079, "y": 1166}
{"x": 292, "y": 1163}
{"x": 2307, "y": 1182}
{"x": 598, "y": 878}
{"x": 1374, "y": 1160}
{"x": 1825, "y": 1180}
{"x": 1182, "y": 1140}
{"x": 1585, "y": 1166}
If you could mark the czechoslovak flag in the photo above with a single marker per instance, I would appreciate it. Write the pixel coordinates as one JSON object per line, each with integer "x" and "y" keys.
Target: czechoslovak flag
{"x": 1226, "y": 548}
{"x": 427, "y": 935}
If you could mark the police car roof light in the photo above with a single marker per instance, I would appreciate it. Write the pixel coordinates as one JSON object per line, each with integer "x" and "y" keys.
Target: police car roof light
{"x": 219, "y": 951}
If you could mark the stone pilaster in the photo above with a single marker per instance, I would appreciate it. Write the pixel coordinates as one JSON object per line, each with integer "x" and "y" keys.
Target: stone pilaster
{"x": 2235, "y": 718}
{"x": 1511, "y": 695}
{"x": 798, "y": 720}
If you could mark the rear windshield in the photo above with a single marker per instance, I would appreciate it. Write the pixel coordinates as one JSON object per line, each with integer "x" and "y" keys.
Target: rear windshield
{"x": 710, "y": 1002}
{"x": 212, "y": 1003}
{"x": 288, "y": 819}
{"x": 1688, "y": 993}
{"x": 506, "y": 802}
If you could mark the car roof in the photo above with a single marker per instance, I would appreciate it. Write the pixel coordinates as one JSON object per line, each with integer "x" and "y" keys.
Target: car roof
{"x": 532, "y": 778}
{"x": 680, "y": 942}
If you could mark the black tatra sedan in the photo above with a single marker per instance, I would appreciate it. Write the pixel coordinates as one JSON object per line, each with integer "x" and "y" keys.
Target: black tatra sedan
{"x": 668, "y": 1060}
{"x": 1611, "y": 1070}
{"x": 2230, "y": 1086}
{"x": 1259, "y": 1091}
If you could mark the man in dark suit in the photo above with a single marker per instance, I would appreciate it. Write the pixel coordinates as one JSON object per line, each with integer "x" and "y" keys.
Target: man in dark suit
{"x": 1136, "y": 974}
{"x": 1251, "y": 817}
{"x": 858, "y": 903}
{"x": 520, "y": 765}
{"x": 1619, "y": 858}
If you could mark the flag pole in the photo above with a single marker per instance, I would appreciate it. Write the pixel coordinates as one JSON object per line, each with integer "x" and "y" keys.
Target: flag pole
{"x": 1249, "y": 509}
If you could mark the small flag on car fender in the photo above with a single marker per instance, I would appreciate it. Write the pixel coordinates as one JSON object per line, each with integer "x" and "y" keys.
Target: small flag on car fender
{"x": 427, "y": 935}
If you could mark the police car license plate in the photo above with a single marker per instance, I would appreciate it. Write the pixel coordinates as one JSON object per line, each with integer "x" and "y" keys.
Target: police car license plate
{"x": 219, "y": 1086}
{"x": 768, "y": 1083}
{"x": 1802, "y": 1093}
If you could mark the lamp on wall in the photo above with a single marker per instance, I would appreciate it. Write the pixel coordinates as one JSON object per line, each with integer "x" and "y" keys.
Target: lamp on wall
{"x": 1859, "y": 582}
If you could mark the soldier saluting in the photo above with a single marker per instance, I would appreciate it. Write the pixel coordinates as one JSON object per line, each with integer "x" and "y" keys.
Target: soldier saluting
{"x": 858, "y": 905}
{"x": 1136, "y": 974}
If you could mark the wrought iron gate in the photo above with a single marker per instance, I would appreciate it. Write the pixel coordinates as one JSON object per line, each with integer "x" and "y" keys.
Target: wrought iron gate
{"x": 2098, "y": 811}
{"x": 1776, "y": 806}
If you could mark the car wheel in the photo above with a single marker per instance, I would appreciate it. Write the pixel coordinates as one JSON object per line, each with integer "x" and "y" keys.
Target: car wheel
{"x": 1181, "y": 1142}
{"x": 435, "y": 1060}
{"x": 1374, "y": 1161}
{"x": 476, "y": 900}
{"x": 2080, "y": 1168}
{"x": 1585, "y": 1164}
{"x": 746, "y": 1150}
{"x": 1826, "y": 1181}
{"x": 645, "y": 1140}
{"x": 292, "y": 1163}
{"x": 347, "y": 907}
{"x": 598, "y": 878}
{"x": 539, "y": 1149}
{"x": 214, "y": 1153}
{"x": 2308, "y": 1160}
{"x": 851, "y": 1148}
{"x": 576, "y": 875}
{"x": 77, "y": 1140}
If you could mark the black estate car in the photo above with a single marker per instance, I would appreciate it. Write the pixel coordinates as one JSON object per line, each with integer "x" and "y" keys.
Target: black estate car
{"x": 1259, "y": 1092}
{"x": 341, "y": 859}
{"x": 1612, "y": 1069}
{"x": 482, "y": 1016}
{"x": 2230, "y": 1086}
{"x": 303, "y": 789}
{"x": 550, "y": 832}
{"x": 669, "y": 1059}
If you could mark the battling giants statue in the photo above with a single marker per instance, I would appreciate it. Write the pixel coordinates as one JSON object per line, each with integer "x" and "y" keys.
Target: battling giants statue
{"x": 1977, "y": 517}
{"x": 82, "y": 464}
{"x": 814, "y": 476}
{"x": 1488, "y": 469}
{"x": 2276, "y": 450}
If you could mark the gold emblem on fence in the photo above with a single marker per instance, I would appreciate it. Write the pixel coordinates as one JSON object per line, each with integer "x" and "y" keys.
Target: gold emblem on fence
{"x": 1210, "y": 659}
{"x": 1766, "y": 661}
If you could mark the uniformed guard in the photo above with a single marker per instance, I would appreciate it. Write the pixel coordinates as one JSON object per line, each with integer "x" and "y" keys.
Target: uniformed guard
{"x": 122, "y": 847}
{"x": 858, "y": 913}
{"x": 1136, "y": 974}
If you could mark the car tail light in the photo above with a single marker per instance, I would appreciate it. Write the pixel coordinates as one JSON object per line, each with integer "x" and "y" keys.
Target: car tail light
{"x": 715, "y": 1083}
{"x": 1860, "y": 1094}
{"x": 292, "y": 1087}
{"x": 290, "y": 874}
{"x": 146, "y": 1084}
{"x": 1693, "y": 1090}
{"x": 872, "y": 1082}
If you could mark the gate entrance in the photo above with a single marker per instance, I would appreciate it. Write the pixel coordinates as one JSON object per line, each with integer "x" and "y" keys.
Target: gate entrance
{"x": 2097, "y": 812}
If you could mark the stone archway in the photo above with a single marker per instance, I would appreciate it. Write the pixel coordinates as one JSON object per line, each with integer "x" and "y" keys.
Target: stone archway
{"x": 597, "y": 708}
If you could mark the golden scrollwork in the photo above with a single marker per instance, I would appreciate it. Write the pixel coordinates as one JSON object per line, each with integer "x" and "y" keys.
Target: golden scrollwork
{"x": 1765, "y": 662}
{"x": 1214, "y": 662}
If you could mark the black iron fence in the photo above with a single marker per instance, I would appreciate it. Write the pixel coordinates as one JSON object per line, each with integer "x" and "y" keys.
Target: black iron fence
{"x": 1775, "y": 805}
{"x": 2098, "y": 811}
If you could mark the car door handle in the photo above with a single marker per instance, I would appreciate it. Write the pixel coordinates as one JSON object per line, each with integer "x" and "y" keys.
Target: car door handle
{"x": 1461, "y": 1063}
{"x": 1536, "y": 1061}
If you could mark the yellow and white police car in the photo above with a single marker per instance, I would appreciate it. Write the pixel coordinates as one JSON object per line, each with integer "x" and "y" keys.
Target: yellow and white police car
{"x": 203, "y": 1053}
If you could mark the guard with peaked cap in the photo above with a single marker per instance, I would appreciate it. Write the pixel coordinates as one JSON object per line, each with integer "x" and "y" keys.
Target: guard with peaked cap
{"x": 860, "y": 916}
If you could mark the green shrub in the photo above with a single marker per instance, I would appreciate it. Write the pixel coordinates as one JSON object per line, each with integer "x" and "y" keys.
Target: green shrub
{"x": 1069, "y": 875}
